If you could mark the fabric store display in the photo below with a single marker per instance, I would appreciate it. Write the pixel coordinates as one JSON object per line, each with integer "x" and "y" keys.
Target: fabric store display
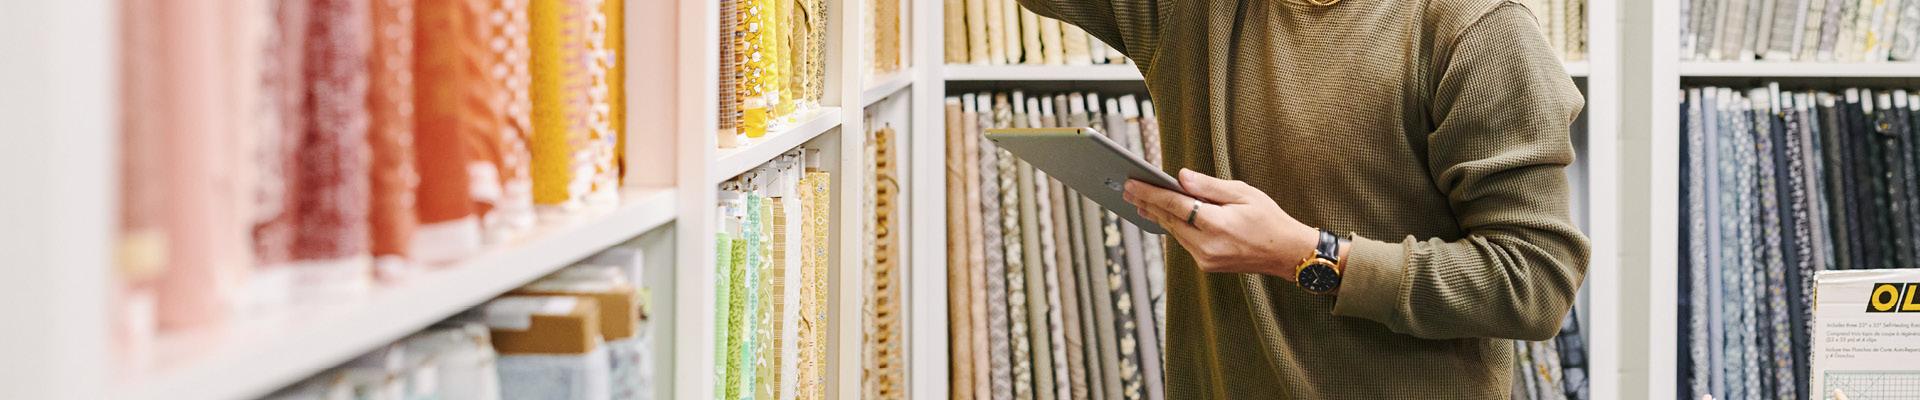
{"x": 1059, "y": 292}
{"x": 1001, "y": 32}
{"x": 771, "y": 281}
{"x": 772, "y": 65}
{"x": 1780, "y": 184}
{"x": 1800, "y": 30}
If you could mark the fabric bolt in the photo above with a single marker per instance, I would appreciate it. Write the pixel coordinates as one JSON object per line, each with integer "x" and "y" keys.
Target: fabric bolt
{"x": 955, "y": 25}
{"x": 976, "y": 249}
{"x": 996, "y": 32}
{"x": 1000, "y": 348}
{"x": 1772, "y": 316}
{"x": 1798, "y": 217}
{"x": 508, "y": 212}
{"x": 1018, "y": 331}
{"x": 390, "y": 135}
{"x": 816, "y": 194}
{"x": 1131, "y": 384}
{"x": 331, "y": 247}
{"x": 1044, "y": 217}
{"x": 724, "y": 323}
{"x": 564, "y": 128}
{"x": 767, "y": 361}
{"x": 602, "y": 114}
{"x": 730, "y": 67}
{"x": 886, "y": 364}
{"x": 1697, "y": 250}
{"x": 197, "y": 231}
{"x": 1089, "y": 329}
{"x": 1069, "y": 290}
{"x": 444, "y": 76}
{"x": 1041, "y": 347}
{"x": 959, "y": 244}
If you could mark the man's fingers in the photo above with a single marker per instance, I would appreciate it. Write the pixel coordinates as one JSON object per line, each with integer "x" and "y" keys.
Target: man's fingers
{"x": 1175, "y": 225}
{"x": 1211, "y": 189}
{"x": 1147, "y": 196}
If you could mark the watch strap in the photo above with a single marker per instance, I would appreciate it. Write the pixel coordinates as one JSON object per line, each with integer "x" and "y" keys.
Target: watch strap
{"x": 1329, "y": 246}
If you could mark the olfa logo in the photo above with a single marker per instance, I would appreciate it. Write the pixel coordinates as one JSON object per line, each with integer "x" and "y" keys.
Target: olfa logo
{"x": 1894, "y": 297}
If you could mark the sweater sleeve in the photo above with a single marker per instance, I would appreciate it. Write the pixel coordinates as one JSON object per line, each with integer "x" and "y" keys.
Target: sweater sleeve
{"x": 1501, "y": 109}
{"x": 1131, "y": 26}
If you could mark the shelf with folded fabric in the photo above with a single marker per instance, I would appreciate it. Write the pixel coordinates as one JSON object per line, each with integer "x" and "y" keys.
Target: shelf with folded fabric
{"x": 1104, "y": 72}
{"x": 886, "y": 86}
{"x": 752, "y": 153}
{"x": 250, "y": 357}
{"x": 1762, "y": 69}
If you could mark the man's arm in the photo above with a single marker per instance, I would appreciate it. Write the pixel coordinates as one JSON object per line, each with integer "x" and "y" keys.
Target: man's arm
{"x": 1131, "y": 26}
{"x": 1502, "y": 109}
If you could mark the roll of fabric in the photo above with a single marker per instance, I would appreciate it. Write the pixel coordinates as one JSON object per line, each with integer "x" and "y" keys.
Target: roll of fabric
{"x": 602, "y": 71}
{"x": 446, "y": 85}
{"x": 275, "y": 186}
{"x": 752, "y": 92}
{"x": 331, "y": 250}
{"x": 194, "y": 238}
{"x": 976, "y": 247}
{"x": 956, "y": 40}
{"x": 816, "y": 195}
{"x": 507, "y": 101}
{"x": 390, "y": 136}
{"x": 998, "y": 335}
{"x": 730, "y": 68}
{"x": 959, "y": 300}
{"x": 142, "y": 251}
{"x": 615, "y": 49}
{"x": 563, "y": 96}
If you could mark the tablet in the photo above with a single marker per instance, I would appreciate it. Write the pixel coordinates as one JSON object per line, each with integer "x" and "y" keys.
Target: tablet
{"x": 1088, "y": 162}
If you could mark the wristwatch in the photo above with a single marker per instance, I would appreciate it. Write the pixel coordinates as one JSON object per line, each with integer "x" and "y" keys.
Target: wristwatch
{"x": 1320, "y": 273}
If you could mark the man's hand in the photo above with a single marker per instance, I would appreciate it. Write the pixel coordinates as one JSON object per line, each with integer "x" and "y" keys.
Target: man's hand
{"x": 1236, "y": 228}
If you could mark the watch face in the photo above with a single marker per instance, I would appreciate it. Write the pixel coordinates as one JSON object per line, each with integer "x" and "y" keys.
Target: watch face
{"x": 1319, "y": 278}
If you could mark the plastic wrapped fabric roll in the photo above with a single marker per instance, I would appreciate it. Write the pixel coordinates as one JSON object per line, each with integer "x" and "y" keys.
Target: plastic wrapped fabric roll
{"x": 563, "y": 123}
{"x": 190, "y": 249}
{"x": 275, "y": 186}
{"x": 331, "y": 250}
{"x": 447, "y": 84}
{"x": 504, "y": 97}
{"x": 390, "y": 136}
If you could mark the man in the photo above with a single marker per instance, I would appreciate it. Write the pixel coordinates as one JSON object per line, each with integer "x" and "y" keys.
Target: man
{"x": 1420, "y": 143}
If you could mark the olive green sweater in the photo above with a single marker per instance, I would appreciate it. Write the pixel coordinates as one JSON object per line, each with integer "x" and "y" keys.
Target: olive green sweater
{"x": 1436, "y": 131}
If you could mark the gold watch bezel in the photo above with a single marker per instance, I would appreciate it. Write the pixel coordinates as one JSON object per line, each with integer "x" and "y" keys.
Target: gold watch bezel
{"x": 1316, "y": 259}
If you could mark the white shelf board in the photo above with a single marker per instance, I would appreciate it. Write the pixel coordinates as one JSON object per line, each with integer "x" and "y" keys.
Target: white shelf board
{"x": 1105, "y": 72}
{"x": 1579, "y": 69}
{"x": 738, "y": 160}
{"x": 1761, "y": 69}
{"x": 253, "y": 357}
{"x": 886, "y": 86}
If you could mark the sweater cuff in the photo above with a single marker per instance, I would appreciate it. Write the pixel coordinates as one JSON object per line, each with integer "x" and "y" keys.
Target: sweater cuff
{"x": 1371, "y": 283}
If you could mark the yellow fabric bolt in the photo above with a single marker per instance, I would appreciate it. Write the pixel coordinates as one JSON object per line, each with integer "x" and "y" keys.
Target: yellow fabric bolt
{"x": 561, "y": 101}
{"x": 753, "y": 107}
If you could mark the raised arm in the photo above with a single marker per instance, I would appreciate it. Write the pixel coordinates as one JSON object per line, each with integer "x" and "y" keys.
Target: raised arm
{"x": 1502, "y": 107}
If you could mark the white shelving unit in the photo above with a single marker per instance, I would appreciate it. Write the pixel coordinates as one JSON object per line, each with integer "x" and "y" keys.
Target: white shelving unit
{"x": 1649, "y": 156}
{"x": 66, "y": 228}
{"x": 253, "y": 357}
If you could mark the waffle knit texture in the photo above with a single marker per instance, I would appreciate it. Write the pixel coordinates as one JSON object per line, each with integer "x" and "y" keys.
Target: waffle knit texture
{"x": 1436, "y": 133}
